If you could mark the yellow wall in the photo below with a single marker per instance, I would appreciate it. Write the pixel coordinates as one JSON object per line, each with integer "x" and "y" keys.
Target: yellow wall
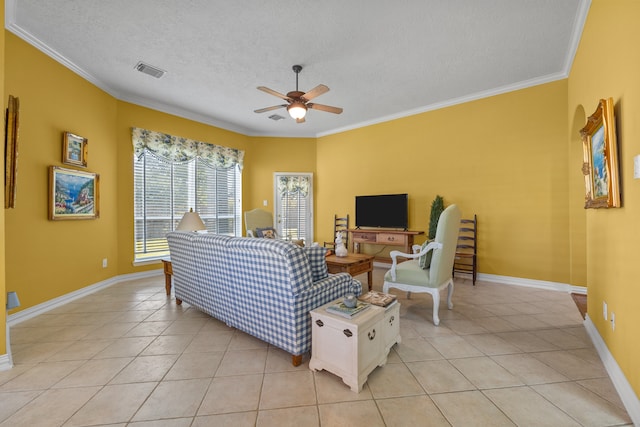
{"x": 130, "y": 115}
{"x": 607, "y": 64}
{"x": 512, "y": 159}
{"x": 503, "y": 158}
{"x": 269, "y": 155}
{"x": 3, "y": 289}
{"x": 505, "y": 161}
{"x": 46, "y": 259}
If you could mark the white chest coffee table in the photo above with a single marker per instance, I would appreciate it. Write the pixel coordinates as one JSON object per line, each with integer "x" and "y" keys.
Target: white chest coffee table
{"x": 353, "y": 348}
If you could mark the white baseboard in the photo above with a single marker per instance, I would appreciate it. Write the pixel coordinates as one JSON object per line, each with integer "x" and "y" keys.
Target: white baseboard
{"x": 532, "y": 283}
{"x": 624, "y": 389}
{"x": 516, "y": 281}
{"x": 31, "y": 312}
{"x": 5, "y": 362}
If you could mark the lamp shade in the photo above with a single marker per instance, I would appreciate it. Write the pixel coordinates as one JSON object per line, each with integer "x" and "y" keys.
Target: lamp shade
{"x": 12, "y": 300}
{"x": 297, "y": 110}
{"x": 191, "y": 221}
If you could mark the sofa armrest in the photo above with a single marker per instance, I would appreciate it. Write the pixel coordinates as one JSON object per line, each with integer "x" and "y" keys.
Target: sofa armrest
{"x": 332, "y": 287}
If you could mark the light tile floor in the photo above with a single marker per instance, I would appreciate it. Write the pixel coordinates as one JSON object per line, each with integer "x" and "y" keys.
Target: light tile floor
{"x": 129, "y": 356}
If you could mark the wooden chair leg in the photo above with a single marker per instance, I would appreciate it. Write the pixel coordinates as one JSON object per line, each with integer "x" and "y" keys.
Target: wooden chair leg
{"x": 436, "y": 306}
{"x": 296, "y": 360}
{"x": 178, "y": 301}
{"x": 475, "y": 271}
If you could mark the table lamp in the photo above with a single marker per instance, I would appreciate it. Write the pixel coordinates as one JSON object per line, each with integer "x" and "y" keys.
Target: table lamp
{"x": 191, "y": 221}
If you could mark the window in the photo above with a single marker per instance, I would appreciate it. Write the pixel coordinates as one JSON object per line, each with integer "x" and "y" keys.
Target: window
{"x": 173, "y": 175}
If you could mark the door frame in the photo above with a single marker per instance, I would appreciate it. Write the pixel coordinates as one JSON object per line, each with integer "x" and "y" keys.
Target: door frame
{"x": 276, "y": 207}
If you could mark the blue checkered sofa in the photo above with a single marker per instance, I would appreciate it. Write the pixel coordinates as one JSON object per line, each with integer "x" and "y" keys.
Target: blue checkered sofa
{"x": 264, "y": 287}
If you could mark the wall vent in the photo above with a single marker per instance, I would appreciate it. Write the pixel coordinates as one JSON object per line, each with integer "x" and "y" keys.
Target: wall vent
{"x": 276, "y": 117}
{"x": 150, "y": 70}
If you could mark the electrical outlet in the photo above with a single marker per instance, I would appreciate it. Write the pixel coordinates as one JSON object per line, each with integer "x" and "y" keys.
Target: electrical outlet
{"x": 104, "y": 263}
{"x": 604, "y": 310}
{"x": 265, "y": 203}
{"x": 613, "y": 321}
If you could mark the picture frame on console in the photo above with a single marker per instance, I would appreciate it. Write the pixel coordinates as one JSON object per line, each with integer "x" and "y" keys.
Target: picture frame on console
{"x": 73, "y": 194}
{"x": 600, "y": 154}
{"x": 74, "y": 150}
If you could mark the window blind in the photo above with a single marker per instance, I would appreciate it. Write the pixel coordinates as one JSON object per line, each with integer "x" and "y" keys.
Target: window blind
{"x": 166, "y": 188}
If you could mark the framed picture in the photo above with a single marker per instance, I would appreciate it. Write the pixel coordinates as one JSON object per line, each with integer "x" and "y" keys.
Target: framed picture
{"x": 600, "y": 154}
{"x": 73, "y": 194}
{"x": 11, "y": 151}
{"x": 74, "y": 150}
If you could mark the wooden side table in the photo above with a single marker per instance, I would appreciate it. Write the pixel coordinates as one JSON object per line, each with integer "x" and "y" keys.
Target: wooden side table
{"x": 383, "y": 237}
{"x": 168, "y": 271}
{"x": 353, "y": 264}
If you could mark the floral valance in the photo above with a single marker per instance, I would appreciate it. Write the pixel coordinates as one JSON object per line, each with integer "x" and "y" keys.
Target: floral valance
{"x": 178, "y": 149}
{"x": 293, "y": 184}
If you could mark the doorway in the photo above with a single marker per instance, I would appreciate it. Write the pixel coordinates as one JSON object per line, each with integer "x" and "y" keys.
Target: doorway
{"x": 293, "y": 207}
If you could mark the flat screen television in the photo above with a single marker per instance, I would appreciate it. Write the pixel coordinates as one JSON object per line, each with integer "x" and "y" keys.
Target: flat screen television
{"x": 383, "y": 211}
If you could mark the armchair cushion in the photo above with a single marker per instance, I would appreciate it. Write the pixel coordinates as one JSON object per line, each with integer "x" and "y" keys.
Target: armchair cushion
{"x": 267, "y": 232}
{"x": 317, "y": 261}
{"x": 410, "y": 273}
{"x": 425, "y": 259}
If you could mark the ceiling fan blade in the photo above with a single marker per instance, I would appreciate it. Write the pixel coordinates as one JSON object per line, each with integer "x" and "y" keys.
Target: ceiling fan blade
{"x": 316, "y": 91}
{"x": 300, "y": 120}
{"x": 274, "y": 93}
{"x": 327, "y": 108}
{"x": 264, "y": 110}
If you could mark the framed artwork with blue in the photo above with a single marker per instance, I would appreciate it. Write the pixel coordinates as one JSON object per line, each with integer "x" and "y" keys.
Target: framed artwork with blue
{"x": 73, "y": 194}
{"x": 600, "y": 154}
{"x": 74, "y": 150}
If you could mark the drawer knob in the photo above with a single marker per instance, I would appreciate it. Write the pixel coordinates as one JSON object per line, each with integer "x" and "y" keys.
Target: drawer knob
{"x": 392, "y": 319}
{"x": 319, "y": 323}
{"x": 348, "y": 333}
{"x": 371, "y": 335}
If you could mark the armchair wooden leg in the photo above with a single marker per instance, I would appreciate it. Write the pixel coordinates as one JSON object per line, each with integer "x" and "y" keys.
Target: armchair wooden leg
{"x": 449, "y": 295}
{"x": 296, "y": 360}
{"x": 436, "y": 306}
{"x": 178, "y": 301}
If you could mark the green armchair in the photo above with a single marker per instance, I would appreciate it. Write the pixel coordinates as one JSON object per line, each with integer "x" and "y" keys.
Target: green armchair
{"x": 411, "y": 276}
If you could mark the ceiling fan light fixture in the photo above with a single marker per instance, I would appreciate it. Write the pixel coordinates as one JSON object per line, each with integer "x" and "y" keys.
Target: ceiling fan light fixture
{"x": 297, "y": 110}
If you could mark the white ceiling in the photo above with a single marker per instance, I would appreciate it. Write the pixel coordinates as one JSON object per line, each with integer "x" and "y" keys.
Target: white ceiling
{"x": 381, "y": 59}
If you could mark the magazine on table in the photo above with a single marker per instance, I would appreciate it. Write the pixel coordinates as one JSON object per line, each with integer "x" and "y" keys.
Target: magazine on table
{"x": 342, "y": 310}
{"x": 378, "y": 298}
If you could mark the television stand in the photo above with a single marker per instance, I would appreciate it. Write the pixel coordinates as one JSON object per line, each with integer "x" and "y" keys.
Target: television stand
{"x": 402, "y": 238}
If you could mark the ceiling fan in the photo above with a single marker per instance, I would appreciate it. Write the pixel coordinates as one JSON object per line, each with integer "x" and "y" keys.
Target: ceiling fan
{"x": 298, "y": 102}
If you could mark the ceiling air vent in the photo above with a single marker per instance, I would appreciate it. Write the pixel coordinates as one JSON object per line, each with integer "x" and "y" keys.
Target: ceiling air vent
{"x": 150, "y": 70}
{"x": 276, "y": 117}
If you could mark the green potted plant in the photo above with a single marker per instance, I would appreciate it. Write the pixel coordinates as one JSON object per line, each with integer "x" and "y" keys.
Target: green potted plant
{"x": 437, "y": 206}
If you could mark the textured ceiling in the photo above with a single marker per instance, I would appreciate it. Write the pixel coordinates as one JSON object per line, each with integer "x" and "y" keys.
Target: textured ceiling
{"x": 381, "y": 59}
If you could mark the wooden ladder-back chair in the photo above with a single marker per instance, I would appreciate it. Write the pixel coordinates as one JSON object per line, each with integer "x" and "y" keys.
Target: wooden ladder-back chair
{"x": 340, "y": 225}
{"x": 466, "y": 260}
